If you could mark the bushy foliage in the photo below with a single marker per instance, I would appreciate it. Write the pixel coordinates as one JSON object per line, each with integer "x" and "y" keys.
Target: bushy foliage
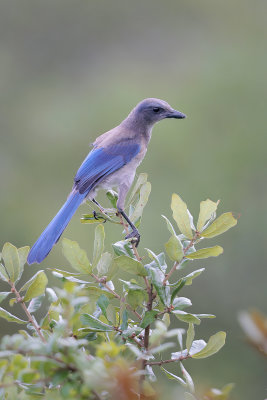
{"x": 98, "y": 341}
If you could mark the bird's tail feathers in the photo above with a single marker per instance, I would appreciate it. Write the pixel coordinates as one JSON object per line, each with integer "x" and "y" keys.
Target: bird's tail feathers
{"x": 54, "y": 230}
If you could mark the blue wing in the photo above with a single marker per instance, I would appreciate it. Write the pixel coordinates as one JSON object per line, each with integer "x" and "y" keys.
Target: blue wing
{"x": 101, "y": 162}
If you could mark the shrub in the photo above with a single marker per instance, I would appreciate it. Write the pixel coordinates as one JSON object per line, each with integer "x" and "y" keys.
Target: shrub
{"x": 98, "y": 341}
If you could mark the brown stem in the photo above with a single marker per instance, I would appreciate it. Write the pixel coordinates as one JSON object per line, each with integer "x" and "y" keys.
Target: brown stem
{"x": 31, "y": 319}
{"x": 149, "y": 308}
{"x": 123, "y": 223}
{"x": 175, "y": 265}
{"x": 99, "y": 280}
{"x": 147, "y": 329}
{"x": 168, "y": 361}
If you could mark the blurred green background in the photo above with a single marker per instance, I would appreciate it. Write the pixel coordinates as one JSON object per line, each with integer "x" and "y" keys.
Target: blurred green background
{"x": 70, "y": 70}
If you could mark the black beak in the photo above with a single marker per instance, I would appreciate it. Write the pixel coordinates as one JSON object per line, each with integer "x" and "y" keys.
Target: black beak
{"x": 175, "y": 114}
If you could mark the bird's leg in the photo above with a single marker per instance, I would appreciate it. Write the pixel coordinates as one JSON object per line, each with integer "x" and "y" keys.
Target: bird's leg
{"x": 135, "y": 233}
{"x": 123, "y": 190}
{"x": 99, "y": 206}
{"x": 103, "y": 210}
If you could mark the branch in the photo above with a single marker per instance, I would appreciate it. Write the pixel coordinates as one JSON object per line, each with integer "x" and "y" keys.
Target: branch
{"x": 175, "y": 265}
{"x": 31, "y": 319}
{"x": 149, "y": 308}
{"x": 168, "y": 361}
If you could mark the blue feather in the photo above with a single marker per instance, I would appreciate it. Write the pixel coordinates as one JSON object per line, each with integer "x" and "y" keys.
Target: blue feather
{"x": 101, "y": 162}
{"x": 54, "y": 230}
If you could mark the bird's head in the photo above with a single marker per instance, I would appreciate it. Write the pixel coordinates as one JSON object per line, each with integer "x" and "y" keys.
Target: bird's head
{"x": 152, "y": 110}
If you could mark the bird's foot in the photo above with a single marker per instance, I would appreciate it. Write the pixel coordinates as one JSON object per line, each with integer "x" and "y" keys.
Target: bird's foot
{"x": 136, "y": 237}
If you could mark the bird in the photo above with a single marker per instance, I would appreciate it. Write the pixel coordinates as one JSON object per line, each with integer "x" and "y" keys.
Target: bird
{"x": 111, "y": 163}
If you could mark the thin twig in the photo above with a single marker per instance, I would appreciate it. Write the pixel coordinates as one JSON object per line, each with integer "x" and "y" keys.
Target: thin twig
{"x": 175, "y": 265}
{"x": 147, "y": 329}
{"x": 31, "y": 319}
{"x": 149, "y": 308}
{"x": 168, "y": 361}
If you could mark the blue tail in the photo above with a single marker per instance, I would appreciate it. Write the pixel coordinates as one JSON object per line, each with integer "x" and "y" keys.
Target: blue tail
{"x": 54, "y": 230}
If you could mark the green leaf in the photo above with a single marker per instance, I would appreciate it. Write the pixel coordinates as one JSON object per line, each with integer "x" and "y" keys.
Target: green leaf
{"x": 10, "y": 317}
{"x": 188, "y": 278}
{"x": 35, "y": 303}
{"x": 51, "y": 294}
{"x": 220, "y": 225}
{"x": 131, "y": 285}
{"x": 123, "y": 248}
{"x": 113, "y": 269}
{"x": 181, "y": 216}
{"x": 143, "y": 199}
{"x": 174, "y": 249}
{"x": 23, "y": 254}
{"x": 141, "y": 180}
{"x": 135, "y": 298}
{"x": 98, "y": 244}
{"x": 76, "y": 256}
{"x": 124, "y": 324}
{"x": 180, "y": 285}
{"x": 172, "y": 376}
{"x": 104, "y": 263}
{"x": 159, "y": 260}
{"x": 69, "y": 278}
{"x": 3, "y": 295}
{"x": 95, "y": 324}
{"x": 196, "y": 347}
{"x": 64, "y": 273}
{"x": 12, "y": 301}
{"x": 207, "y": 210}
{"x": 214, "y": 251}
{"x": 12, "y": 263}
{"x": 3, "y": 273}
{"x": 113, "y": 197}
{"x": 190, "y": 336}
{"x": 169, "y": 226}
{"x": 130, "y": 331}
{"x": 130, "y": 265}
{"x": 95, "y": 218}
{"x": 103, "y": 303}
{"x": 205, "y": 316}
{"x": 163, "y": 291}
{"x": 179, "y": 303}
{"x": 166, "y": 320}
{"x": 52, "y": 315}
{"x": 215, "y": 343}
{"x": 186, "y": 317}
{"x": 95, "y": 292}
{"x": 189, "y": 380}
{"x": 149, "y": 317}
{"x": 35, "y": 286}
{"x": 29, "y": 376}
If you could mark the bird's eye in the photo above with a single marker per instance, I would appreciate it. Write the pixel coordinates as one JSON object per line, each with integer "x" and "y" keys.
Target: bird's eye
{"x": 156, "y": 109}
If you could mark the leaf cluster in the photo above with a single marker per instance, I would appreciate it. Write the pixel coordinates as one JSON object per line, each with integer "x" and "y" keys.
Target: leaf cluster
{"x": 96, "y": 340}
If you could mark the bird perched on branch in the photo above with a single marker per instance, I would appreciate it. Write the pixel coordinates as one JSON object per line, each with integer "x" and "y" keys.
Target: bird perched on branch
{"x": 112, "y": 163}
